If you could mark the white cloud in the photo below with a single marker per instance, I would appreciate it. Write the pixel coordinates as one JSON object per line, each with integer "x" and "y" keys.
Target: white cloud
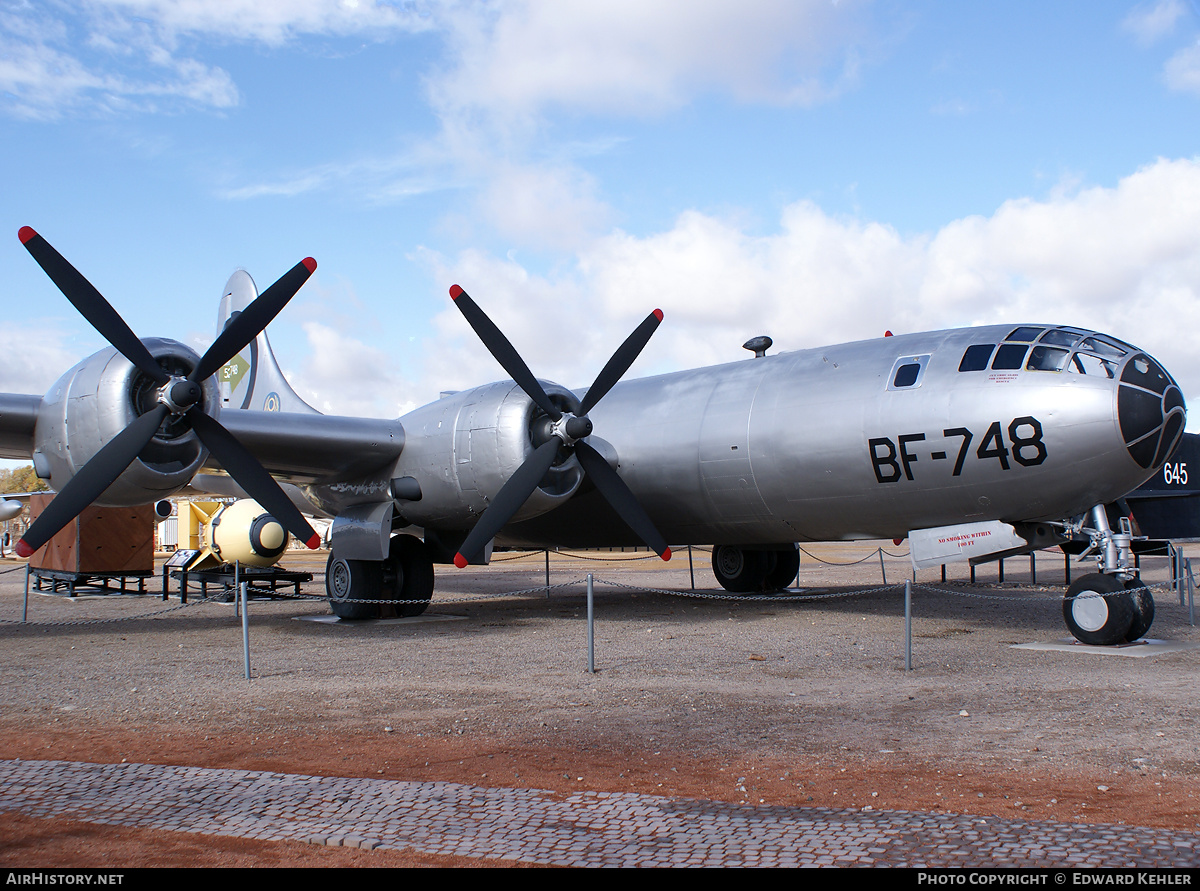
{"x": 638, "y": 57}
{"x": 1149, "y": 22}
{"x": 272, "y": 21}
{"x": 344, "y": 376}
{"x": 48, "y": 67}
{"x": 1182, "y": 71}
{"x": 32, "y": 357}
{"x": 121, "y": 55}
{"x": 511, "y": 67}
{"x": 1124, "y": 260}
{"x": 546, "y": 206}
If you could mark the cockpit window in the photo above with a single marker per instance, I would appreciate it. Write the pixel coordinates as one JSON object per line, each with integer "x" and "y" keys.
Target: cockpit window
{"x": 1104, "y": 346}
{"x": 1061, "y": 337}
{"x": 1025, "y": 335}
{"x": 1086, "y": 363}
{"x": 1009, "y": 357}
{"x": 976, "y": 357}
{"x": 1044, "y": 358}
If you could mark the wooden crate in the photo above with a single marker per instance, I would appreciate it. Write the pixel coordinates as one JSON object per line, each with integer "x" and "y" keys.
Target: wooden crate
{"x": 101, "y": 539}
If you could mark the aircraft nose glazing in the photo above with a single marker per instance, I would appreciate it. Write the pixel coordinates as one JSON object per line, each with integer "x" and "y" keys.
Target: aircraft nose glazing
{"x": 1150, "y": 409}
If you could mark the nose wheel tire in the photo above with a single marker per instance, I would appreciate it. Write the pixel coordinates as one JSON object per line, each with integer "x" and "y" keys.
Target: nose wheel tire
{"x": 1098, "y": 610}
{"x": 1143, "y": 609}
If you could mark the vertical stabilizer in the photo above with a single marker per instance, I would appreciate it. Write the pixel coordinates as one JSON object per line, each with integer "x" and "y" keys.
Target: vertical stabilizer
{"x": 252, "y": 379}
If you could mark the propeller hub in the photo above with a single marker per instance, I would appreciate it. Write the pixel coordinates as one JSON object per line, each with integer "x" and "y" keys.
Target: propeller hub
{"x": 570, "y": 429}
{"x": 180, "y": 394}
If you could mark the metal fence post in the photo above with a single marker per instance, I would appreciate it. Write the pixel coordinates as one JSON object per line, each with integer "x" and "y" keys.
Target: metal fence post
{"x": 907, "y": 626}
{"x": 245, "y": 628}
{"x": 591, "y": 631}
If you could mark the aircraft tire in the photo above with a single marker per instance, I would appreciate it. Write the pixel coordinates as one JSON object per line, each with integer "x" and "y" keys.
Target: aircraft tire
{"x": 412, "y": 564}
{"x": 1143, "y": 609}
{"x": 1103, "y": 620}
{"x": 784, "y": 566}
{"x": 353, "y": 580}
{"x": 740, "y": 570}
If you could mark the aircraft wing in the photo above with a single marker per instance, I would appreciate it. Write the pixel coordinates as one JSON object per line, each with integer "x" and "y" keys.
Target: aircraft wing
{"x": 311, "y": 448}
{"x": 301, "y": 448}
{"x": 18, "y": 415}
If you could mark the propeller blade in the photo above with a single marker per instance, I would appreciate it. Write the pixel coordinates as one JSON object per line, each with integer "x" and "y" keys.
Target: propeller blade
{"x": 247, "y": 325}
{"x": 621, "y": 360}
{"x": 91, "y": 305}
{"x": 614, "y": 490}
{"x": 508, "y": 501}
{"x": 92, "y": 479}
{"x": 504, "y": 353}
{"x": 248, "y": 473}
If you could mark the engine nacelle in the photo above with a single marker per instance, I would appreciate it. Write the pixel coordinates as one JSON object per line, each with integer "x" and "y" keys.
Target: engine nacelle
{"x": 464, "y": 447}
{"x": 243, "y": 532}
{"x": 99, "y": 398}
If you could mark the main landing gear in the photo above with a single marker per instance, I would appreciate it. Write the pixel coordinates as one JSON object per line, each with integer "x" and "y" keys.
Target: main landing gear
{"x": 361, "y": 589}
{"x": 1111, "y": 606}
{"x": 753, "y": 571}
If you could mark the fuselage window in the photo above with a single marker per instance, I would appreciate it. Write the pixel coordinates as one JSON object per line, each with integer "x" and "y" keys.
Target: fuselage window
{"x": 907, "y": 372}
{"x": 906, "y": 375}
{"x": 1009, "y": 357}
{"x": 1026, "y": 334}
{"x": 1043, "y": 358}
{"x": 976, "y": 357}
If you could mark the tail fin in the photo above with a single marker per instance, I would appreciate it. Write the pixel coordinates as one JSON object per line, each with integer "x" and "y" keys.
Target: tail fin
{"x": 252, "y": 379}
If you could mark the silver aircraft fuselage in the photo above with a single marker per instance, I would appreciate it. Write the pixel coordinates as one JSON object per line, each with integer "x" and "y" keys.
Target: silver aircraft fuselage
{"x": 876, "y": 438}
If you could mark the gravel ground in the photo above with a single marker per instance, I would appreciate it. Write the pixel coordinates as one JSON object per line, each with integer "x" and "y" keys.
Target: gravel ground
{"x": 788, "y": 701}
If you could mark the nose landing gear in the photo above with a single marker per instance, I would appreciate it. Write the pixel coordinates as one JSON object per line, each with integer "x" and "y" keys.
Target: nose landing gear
{"x": 1111, "y": 606}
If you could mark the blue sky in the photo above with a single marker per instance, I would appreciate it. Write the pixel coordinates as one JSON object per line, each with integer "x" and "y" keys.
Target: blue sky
{"x": 818, "y": 171}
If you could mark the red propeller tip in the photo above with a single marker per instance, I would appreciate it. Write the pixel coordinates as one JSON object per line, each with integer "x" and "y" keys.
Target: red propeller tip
{"x": 24, "y": 550}
{"x": 666, "y": 555}
{"x": 460, "y": 561}
{"x": 25, "y": 234}
{"x": 658, "y": 314}
{"x": 314, "y": 542}
{"x": 455, "y": 290}
{"x": 310, "y": 264}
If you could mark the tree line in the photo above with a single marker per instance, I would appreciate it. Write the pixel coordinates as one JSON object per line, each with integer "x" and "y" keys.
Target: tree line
{"x": 21, "y": 479}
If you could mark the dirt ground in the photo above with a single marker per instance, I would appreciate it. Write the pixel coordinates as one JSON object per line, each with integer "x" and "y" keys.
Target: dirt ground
{"x": 780, "y": 701}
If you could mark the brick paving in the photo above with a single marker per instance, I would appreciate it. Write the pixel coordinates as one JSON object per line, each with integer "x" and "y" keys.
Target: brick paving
{"x": 579, "y": 829}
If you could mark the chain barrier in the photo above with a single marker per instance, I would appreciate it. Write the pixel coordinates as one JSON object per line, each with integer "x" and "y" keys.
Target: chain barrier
{"x": 788, "y": 595}
{"x": 742, "y": 598}
{"x": 512, "y": 557}
{"x": 324, "y": 598}
{"x": 870, "y": 556}
{"x": 527, "y": 554}
{"x": 212, "y": 598}
{"x": 1161, "y": 587}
